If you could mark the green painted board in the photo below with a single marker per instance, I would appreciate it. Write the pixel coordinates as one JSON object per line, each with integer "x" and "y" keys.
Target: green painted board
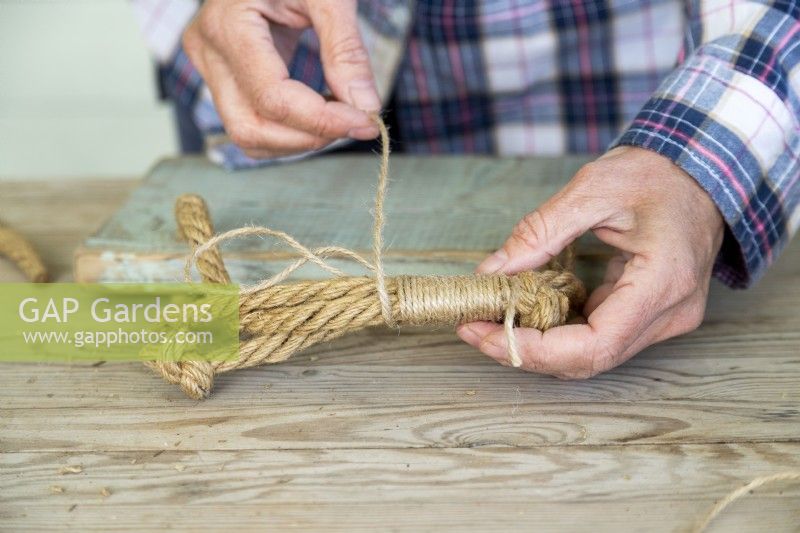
{"x": 443, "y": 213}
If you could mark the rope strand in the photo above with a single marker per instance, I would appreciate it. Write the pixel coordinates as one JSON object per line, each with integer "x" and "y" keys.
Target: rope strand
{"x": 20, "y": 252}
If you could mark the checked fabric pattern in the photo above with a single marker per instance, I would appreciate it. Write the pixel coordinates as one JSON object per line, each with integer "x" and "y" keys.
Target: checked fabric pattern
{"x": 714, "y": 85}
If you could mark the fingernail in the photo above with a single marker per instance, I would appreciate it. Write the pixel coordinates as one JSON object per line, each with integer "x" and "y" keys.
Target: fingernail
{"x": 493, "y": 263}
{"x": 364, "y": 95}
{"x": 467, "y": 334}
{"x": 363, "y": 134}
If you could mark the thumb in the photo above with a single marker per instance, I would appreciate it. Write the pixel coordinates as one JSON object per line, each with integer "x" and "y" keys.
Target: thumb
{"x": 344, "y": 57}
{"x": 544, "y": 233}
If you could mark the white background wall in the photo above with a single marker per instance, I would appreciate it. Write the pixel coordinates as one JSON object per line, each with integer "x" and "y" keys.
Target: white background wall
{"x": 77, "y": 95}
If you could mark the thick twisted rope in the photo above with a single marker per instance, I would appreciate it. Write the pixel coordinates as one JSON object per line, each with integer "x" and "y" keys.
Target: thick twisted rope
{"x": 20, "y": 252}
{"x": 279, "y": 319}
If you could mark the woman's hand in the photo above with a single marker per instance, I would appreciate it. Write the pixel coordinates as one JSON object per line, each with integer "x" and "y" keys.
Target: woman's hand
{"x": 667, "y": 231}
{"x": 242, "y": 48}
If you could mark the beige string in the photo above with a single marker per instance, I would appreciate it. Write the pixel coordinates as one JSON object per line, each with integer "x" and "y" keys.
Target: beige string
{"x": 20, "y": 252}
{"x": 279, "y": 319}
{"x": 790, "y": 475}
{"x": 508, "y": 324}
{"x": 377, "y": 232}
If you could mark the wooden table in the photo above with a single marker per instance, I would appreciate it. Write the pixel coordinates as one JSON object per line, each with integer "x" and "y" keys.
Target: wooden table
{"x": 414, "y": 431}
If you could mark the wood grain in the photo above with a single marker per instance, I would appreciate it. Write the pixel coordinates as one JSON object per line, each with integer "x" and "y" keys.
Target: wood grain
{"x": 443, "y": 213}
{"x": 517, "y": 475}
{"x": 457, "y": 424}
{"x": 654, "y": 481}
{"x": 755, "y": 514}
{"x": 348, "y": 376}
{"x": 412, "y": 431}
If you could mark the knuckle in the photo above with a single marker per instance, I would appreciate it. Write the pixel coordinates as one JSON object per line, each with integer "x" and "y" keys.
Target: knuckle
{"x": 574, "y": 374}
{"x": 273, "y": 105}
{"x": 694, "y": 322}
{"x": 686, "y": 280}
{"x": 323, "y": 126}
{"x": 692, "y": 318}
{"x": 349, "y": 51}
{"x": 580, "y": 372}
{"x": 191, "y": 39}
{"x": 243, "y": 137}
{"x": 604, "y": 356}
{"x": 588, "y": 172}
{"x": 595, "y": 184}
{"x": 208, "y": 25}
{"x": 531, "y": 231}
{"x": 530, "y": 362}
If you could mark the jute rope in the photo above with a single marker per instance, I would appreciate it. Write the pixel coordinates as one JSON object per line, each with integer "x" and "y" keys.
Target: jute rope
{"x": 279, "y": 319}
{"x": 20, "y": 252}
{"x": 789, "y": 475}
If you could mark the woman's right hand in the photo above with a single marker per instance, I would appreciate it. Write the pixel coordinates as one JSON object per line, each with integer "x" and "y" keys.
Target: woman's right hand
{"x": 241, "y": 49}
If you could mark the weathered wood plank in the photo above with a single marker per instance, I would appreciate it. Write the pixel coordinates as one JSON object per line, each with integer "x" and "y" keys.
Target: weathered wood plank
{"x": 670, "y": 486}
{"x": 518, "y": 475}
{"x": 326, "y": 423}
{"x": 450, "y": 372}
{"x": 444, "y": 213}
{"x": 755, "y": 514}
{"x": 468, "y": 200}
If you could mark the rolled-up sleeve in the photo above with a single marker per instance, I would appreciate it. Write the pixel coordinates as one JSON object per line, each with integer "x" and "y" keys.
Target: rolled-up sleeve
{"x": 729, "y": 116}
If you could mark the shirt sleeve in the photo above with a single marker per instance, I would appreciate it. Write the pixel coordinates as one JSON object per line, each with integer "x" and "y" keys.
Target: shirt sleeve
{"x": 729, "y": 116}
{"x": 161, "y": 23}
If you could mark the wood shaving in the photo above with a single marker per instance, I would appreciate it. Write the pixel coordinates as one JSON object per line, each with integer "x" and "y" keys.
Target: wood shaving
{"x": 70, "y": 469}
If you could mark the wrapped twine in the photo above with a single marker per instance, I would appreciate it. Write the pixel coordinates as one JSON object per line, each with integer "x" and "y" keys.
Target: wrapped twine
{"x": 280, "y": 319}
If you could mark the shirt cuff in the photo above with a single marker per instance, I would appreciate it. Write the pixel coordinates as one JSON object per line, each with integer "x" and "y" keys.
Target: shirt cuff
{"x": 728, "y": 131}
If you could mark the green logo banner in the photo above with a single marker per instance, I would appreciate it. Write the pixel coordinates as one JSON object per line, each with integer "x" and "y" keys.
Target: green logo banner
{"x": 122, "y": 322}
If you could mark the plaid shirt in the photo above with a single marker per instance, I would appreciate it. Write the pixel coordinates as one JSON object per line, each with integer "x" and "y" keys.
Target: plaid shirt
{"x": 713, "y": 85}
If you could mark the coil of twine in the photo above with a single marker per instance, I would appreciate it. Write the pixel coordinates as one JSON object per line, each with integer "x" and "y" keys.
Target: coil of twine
{"x": 279, "y": 319}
